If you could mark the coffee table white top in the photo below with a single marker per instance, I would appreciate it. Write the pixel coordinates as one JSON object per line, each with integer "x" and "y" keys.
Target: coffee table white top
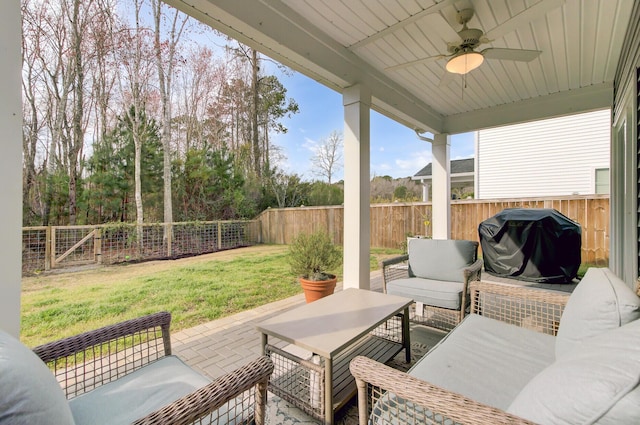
{"x": 330, "y": 324}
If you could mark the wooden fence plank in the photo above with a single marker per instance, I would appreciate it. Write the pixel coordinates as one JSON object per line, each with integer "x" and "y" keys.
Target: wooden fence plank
{"x": 390, "y": 224}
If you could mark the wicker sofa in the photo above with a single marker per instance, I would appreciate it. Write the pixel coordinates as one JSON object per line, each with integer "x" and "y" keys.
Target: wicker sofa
{"x": 522, "y": 356}
{"x": 123, "y": 373}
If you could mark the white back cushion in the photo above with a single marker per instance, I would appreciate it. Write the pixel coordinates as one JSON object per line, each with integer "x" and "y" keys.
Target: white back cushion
{"x": 600, "y": 302}
{"x": 596, "y": 381}
{"x": 441, "y": 259}
{"x": 29, "y": 393}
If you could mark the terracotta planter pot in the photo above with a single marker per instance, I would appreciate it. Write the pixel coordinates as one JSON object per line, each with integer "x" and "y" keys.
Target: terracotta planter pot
{"x": 316, "y": 289}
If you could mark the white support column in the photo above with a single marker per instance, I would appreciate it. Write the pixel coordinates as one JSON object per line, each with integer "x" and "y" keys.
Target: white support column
{"x": 357, "y": 103}
{"x": 425, "y": 191}
{"x": 11, "y": 166}
{"x": 441, "y": 189}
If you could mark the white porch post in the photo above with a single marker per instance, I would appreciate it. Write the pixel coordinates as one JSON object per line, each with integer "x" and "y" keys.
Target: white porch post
{"x": 441, "y": 189}
{"x": 11, "y": 166}
{"x": 425, "y": 191}
{"x": 357, "y": 102}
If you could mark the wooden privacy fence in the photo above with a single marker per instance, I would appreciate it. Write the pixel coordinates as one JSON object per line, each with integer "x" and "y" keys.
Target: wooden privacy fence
{"x": 50, "y": 247}
{"x": 392, "y": 223}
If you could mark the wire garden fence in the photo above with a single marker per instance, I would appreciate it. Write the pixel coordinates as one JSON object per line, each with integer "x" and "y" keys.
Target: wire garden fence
{"x": 52, "y": 247}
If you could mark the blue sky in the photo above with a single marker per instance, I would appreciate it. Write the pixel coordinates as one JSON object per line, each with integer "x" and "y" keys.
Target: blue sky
{"x": 395, "y": 149}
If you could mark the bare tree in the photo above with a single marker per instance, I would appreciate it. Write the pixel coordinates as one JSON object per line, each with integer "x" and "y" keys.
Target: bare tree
{"x": 255, "y": 137}
{"x": 137, "y": 63}
{"x": 285, "y": 187}
{"x": 33, "y": 121}
{"x": 199, "y": 123}
{"x": 327, "y": 160}
{"x": 80, "y": 21}
{"x": 252, "y": 99}
{"x": 166, "y": 62}
{"x": 58, "y": 58}
{"x": 105, "y": 31}
{"x": 84, "y": 64}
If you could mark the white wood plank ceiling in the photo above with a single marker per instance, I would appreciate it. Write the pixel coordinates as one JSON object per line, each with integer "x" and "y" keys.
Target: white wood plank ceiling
{"x": 345, "y": 42}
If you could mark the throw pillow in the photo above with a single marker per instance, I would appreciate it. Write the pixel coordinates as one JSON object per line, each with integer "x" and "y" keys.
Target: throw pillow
{"x": 600, "y": 302}
{"x": 597, "y": 381}
{"x": 29, "y": 393}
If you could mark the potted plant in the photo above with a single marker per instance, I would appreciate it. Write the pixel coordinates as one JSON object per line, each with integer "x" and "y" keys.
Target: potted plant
{"x": 313, "y": 257}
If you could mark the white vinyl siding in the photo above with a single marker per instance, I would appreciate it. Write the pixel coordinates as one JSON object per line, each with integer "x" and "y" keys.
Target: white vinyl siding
{"x": 551, "y": 157}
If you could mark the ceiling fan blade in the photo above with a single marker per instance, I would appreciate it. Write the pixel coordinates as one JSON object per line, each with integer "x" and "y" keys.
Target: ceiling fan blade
{"x": 446, "y": 79}
{"x": 434, "y": 9}
{"x": 511, "y": 54}
{"x": 537, "y": 10}
{"x": 413, "y": 63}
{"x": 436, "y": 24}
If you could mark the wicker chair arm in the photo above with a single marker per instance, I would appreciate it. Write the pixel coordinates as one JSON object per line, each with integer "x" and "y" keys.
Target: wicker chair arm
{"x": 536, "y": 309}
{"x": 389, "y": 272}
{"x": 204, "y": 402}
{"x": 395, "y": 260}
{"x": 78, "y": 343}
{"x": 473, "y": 272}
{"x": 423, "y": 395}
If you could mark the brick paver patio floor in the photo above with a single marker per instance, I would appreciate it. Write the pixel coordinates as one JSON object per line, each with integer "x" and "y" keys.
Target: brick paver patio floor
{"x": 220, "y": 346}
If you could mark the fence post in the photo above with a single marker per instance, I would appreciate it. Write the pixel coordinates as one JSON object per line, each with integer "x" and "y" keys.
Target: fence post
{"x": 168, "y": 231}
{"x": 97, "y": 245}
{"x": 219, "y": 235}
{"x": 52, "y": 249}
{"x": 47, "y": 249}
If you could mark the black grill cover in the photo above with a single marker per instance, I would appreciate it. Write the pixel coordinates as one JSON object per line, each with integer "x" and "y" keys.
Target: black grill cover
{"x": 532, "y": 244}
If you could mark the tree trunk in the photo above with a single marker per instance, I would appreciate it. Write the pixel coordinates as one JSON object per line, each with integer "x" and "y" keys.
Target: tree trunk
{"x": 77, "y": 139}
{"x": 254, "y": 113}
{"x": 164, "y": 80}
{"x": 138, "y": 106}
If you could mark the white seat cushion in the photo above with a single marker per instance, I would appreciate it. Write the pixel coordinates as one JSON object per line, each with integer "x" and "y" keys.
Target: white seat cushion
{"x": 486, "y": 360}
{"x": 29, "y": 393}
{"x": 137, "y": 394}
{"x": 436, "y": 293}
{"x": 600, "y": 302}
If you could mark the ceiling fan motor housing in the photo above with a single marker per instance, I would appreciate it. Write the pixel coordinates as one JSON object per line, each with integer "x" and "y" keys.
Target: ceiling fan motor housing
{"x": 470, "y": 37}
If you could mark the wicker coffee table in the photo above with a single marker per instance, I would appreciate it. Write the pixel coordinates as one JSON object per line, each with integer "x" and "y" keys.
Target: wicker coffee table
{"x": 314, "y": 344}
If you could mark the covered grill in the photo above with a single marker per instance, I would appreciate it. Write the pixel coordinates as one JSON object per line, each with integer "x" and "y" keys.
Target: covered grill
{"x": 531, "y": 244}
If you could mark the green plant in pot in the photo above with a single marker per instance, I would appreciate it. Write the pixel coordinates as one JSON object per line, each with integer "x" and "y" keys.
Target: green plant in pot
{"x": 313, "y": 257}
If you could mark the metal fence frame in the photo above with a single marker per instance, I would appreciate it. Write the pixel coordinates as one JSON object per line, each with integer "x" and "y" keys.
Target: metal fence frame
{"x": 51, "y": 247}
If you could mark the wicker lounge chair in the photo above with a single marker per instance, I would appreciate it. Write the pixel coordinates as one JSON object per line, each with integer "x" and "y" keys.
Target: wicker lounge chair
{"x": 435, "y": 274}
{"x": 124, "y": 373}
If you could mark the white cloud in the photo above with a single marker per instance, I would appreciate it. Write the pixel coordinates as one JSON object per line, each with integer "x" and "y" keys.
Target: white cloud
{"x": 310, "y": 145}
{"x": 415, "y": 162}
{"x": 406, "y": 166}
{"x": 381, "y": 149}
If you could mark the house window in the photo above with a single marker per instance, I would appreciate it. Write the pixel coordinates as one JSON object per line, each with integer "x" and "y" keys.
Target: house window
{"x": 602, "y": 180}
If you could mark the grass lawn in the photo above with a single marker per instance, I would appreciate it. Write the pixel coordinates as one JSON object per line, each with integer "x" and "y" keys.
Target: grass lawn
{"x": 195, "y": 290}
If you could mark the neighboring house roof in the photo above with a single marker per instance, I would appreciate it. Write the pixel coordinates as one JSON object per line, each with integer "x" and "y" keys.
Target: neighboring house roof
{"x": 458, "y": 166}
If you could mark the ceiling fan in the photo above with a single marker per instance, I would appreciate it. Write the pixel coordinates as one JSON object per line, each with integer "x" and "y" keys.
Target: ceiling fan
{"x": 462, "y": 54}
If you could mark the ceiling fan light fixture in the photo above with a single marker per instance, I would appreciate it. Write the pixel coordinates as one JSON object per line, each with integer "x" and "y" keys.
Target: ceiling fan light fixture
{"x": 464, "y": 63}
